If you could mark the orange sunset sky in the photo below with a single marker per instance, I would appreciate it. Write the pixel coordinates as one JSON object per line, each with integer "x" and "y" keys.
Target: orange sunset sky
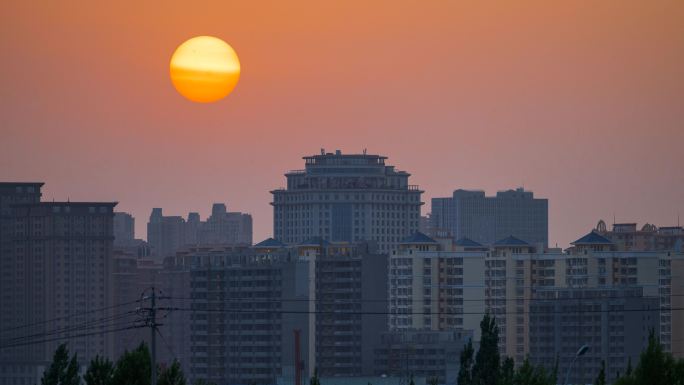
{"x": 581, "y": 102}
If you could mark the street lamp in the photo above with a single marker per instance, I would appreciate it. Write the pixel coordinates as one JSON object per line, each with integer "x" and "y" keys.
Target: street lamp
{"x": 582, "y": 350}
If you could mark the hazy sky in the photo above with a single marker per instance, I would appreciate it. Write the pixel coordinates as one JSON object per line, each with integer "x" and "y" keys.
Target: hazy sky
{"x": 581, "y": 102}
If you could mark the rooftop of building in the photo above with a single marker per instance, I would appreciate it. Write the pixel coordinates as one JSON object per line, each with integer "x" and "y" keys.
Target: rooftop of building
{"x": 417, "y": 238}
{"x": 314, "y": 241}
{"x": 67, "y": 203}
{"x": 21, "y": 184}
{"x": 511, "y": 241}
{"x": 323, "y": 157}
{"x": 593, "y": 238}
{"x": 269, "y": 243}
{"x": 467, "y": 242}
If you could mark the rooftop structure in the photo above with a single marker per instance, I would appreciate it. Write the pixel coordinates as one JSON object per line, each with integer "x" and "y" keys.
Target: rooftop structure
{"x": 346, "y": 198}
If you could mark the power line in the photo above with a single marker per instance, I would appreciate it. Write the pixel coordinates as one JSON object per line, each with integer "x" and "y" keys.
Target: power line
{"x": 344, "y": 301}
{"x": 72, "y": 336}
{"x": 110, "y": 321}
{"x": 344, "y": 312}
{"x": 67, "y": 317}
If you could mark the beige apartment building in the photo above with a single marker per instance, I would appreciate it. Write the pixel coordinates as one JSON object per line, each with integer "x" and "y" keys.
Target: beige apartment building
{"x": 436, "y": 286}
{"x": 517, "y": 272}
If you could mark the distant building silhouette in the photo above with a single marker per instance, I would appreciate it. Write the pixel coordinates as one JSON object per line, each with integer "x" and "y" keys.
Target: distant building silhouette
{"x": 167, "y": 234}
{"x": 472, "y": 215}
{"x": 347, "y": 198}
{"x": 124, "y": 228}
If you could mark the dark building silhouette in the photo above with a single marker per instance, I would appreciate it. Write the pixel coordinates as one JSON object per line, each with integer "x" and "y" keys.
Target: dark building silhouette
{"x": 56, "y": 275}
{"x": 471, "y": 214}
{"x": 167, "y": 234}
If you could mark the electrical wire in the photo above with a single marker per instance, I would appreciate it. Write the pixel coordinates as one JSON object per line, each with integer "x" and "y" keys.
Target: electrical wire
{"x": 72, "y": 336}
{"x": 361, "y": 313}
{"x": 52, "y": 320}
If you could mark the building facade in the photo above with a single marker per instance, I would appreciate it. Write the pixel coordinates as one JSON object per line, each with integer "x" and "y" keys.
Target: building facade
{"x": 124, "y": 228}
{"x": 442, "y": 214}
{"x": 168, "y": 234}
{"x": 346, "y": 198}
{"x": 224, "y": 227}
{"x": 433, "y": 355}
{"x": 56, "y": 279}
{"x": 613, "y": 322}
{"x": 432, "y": 287}
{"x": 471, "y": 214}
{"x": 246, "y": 305}
{"x": 516, "y": 272}
{"x": 351, "y": 305}
{"x": 626, "y": 237}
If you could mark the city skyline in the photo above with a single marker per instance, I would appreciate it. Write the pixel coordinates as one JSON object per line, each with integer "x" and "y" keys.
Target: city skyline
{"x": 342, "y": 192}
{"x": 579, "y": 104}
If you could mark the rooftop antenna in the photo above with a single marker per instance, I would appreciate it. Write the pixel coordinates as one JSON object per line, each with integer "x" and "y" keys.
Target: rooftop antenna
{"x": 322, "y": 151}
{"x": 613, "y": 218}
{"x": 364, "y": 151}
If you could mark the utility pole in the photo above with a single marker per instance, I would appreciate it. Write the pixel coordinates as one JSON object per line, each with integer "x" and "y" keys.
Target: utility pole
{"x": 150, "y": 314}
{"x": 153, "y": 336}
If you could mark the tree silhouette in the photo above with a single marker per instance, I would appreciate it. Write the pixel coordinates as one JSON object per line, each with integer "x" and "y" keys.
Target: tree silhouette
{"x": 172, "y": 376}
{"x": 62, "y": 371}
{"x": 100, "y": 372}
{"x": 133, "y": 368}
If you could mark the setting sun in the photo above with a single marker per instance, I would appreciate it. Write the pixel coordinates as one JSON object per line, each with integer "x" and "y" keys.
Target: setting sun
{"x": 204, "y": 69}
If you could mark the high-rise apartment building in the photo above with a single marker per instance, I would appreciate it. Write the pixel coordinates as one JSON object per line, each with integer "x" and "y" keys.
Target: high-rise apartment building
{"x": 433, "y": 287}
{"x": 517, "y": 273}
{"x": 346, "y": 198}
{"x": 350, "y": 302}
{"x": 56, "y": 278}
{"x": 168, "y": 234}
{"x": 613, "y": 322}
{"x": 442, "y": 214}
{"x": 471, "y": 214}
{"x": 14, "y": 369}
{"x": 244, "y": 304}
{"x": 124, "y": 228}
{"x": 224, "y": 227}
{"x": 165, "y": 234}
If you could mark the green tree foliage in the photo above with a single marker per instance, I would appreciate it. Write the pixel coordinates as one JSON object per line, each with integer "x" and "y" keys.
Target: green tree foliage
{"x": 133, "y": 368}
{"x": 433, "y": 381}
{"x": 314, "y": 380}
{"x": 553, "y": 378}
{"x": 465, "y": 375}
{"x": 655, "y": 367}
{"x": 62, "y": 370}
{"x": 488, "y": 369}
{"x": 173, "y": 375}
{"x": 601, "y": 377}
{"x": 528, "y": 374}
{"x": 487, "y": 361}
{"x": 100, "y": 372}
{"x": 507, "y": 375}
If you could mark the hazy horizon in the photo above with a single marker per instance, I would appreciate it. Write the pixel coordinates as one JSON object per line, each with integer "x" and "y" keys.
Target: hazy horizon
{"x": 581, "y": 104}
